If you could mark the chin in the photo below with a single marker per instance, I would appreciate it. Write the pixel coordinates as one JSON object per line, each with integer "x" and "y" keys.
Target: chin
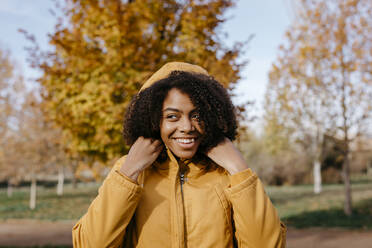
{"x": 184, "y": 155}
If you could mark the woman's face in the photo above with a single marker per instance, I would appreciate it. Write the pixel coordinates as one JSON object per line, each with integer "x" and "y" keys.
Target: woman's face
{"x": 180, "y": 128}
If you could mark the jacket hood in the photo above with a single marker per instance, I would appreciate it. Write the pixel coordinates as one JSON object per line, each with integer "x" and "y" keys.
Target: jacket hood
{"x": 166, "y": 70}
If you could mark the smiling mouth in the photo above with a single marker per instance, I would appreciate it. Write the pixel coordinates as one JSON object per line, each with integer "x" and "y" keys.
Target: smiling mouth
{"x": 185, "y": 140}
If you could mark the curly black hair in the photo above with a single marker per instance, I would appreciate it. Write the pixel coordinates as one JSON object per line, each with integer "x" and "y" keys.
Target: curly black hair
{"x": 210, "y": 98}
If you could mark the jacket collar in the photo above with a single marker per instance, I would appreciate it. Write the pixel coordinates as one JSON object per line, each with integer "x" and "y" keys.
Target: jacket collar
{"x": 172, "y": 166}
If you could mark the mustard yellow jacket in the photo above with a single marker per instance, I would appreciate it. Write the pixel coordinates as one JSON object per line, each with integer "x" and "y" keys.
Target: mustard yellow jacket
{"x": 179, "y": 205}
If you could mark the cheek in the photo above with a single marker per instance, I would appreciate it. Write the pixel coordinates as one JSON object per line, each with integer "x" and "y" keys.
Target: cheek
{"x": 166, "y": 129}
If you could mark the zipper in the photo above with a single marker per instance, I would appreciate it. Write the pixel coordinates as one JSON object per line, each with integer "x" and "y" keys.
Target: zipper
{"x": 182, "y": 181}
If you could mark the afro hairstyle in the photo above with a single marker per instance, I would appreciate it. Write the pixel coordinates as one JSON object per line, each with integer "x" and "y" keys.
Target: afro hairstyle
{"x": 210, "y": 98}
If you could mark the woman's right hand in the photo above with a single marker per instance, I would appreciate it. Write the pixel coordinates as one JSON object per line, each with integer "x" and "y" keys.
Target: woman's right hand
{"x": 141, "y": 155}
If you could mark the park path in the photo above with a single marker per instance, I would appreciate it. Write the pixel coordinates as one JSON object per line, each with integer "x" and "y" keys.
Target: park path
{"x": 33, "y": 232}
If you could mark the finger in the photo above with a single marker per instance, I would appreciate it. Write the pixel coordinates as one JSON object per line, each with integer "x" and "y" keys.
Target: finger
{"x": 159, "y": 148}
{"x": 147, "y": 141}
{"x": 157, "y": 153}
{"x": 139, "y": 139}
{"x": 157, "y": 143}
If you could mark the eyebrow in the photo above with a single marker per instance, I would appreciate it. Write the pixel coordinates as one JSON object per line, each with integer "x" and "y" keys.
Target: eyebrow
{"x": 177, "y": 110}
{"x": 171, "y": 109}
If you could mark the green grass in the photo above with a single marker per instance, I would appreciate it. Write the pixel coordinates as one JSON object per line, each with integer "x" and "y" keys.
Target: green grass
{"x": 297, "y": 205}
{"x": 70, "y": 206}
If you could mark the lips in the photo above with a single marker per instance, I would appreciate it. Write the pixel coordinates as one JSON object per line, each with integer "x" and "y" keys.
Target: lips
{"x": 185, "y": 143}
{"x": 185, "y": 140}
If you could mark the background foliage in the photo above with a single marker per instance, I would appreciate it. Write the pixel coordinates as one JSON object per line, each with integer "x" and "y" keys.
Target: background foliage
{"x": 105, "y": 50}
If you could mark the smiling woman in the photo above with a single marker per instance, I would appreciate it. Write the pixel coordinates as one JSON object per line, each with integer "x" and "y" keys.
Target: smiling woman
{"x": 182, "y": 175}
{"x": 180, "y": 127}
{"x": 209, "y": 100}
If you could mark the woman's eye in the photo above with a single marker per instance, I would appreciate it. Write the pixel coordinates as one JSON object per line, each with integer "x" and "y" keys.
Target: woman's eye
{"x": 171, "y": 117}
{"x": 195, "y": 116}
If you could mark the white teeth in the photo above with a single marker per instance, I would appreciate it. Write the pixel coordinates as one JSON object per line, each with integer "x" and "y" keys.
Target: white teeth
{"x": 185, "y": 141}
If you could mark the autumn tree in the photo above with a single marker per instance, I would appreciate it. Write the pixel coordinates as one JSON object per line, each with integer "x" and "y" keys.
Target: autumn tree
{"x": 33, "y": 148}
{"x": 321, "y": 81}
{"x": 6, "y": 70}
{"x": 10, "y": 84}
{"x": 104, "y": 50}
{"x": 39, "y": 142}
{"x": 30, "y": 145}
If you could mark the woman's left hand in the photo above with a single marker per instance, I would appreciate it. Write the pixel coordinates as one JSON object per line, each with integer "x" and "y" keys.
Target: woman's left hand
{"x": 228, "y": 156}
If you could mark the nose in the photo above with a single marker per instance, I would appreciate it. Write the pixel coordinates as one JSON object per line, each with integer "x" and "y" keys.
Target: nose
{"x": 186, "y": 125}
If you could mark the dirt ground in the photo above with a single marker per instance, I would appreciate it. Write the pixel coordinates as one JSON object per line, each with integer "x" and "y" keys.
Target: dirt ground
{"x": 33, "y": 232}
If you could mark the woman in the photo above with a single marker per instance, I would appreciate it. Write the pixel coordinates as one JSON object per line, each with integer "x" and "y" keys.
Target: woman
{"x": 183, "y": 182}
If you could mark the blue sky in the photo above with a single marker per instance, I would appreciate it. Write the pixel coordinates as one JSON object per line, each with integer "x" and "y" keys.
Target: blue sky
{"x": 267, "y": 20}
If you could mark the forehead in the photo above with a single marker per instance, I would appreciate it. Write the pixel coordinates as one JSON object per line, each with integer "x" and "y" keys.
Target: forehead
{"x": 178, "y": 100}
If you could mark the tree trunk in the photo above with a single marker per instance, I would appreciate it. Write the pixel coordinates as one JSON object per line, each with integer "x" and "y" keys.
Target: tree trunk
{"x": 345, "y": 129}
{"x": 10, "y": 189}
{"x": 347, "y": 184}
{"x": 317, "y": 176}
{"x": 61, "y": 178}
{"x": 317, "y": 165}
{"x": 33, "y": 193}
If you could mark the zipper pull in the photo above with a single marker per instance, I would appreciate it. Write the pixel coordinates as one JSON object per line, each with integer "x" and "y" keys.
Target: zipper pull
{"x": 182, "y": 178}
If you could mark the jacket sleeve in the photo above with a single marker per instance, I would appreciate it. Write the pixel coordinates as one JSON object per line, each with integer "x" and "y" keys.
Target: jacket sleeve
{"x": 107, "y": 217}
{"x": 256, "y": 220}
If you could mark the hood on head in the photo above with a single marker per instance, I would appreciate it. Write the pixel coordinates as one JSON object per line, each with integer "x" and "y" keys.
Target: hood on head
{"x": 166, "y": 70}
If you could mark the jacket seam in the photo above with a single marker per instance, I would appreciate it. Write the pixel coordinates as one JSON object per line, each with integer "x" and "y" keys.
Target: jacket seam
{"x": 122, "y": 181}
{"x": 225, "y": 210}
{"x": 245, "y": 185}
